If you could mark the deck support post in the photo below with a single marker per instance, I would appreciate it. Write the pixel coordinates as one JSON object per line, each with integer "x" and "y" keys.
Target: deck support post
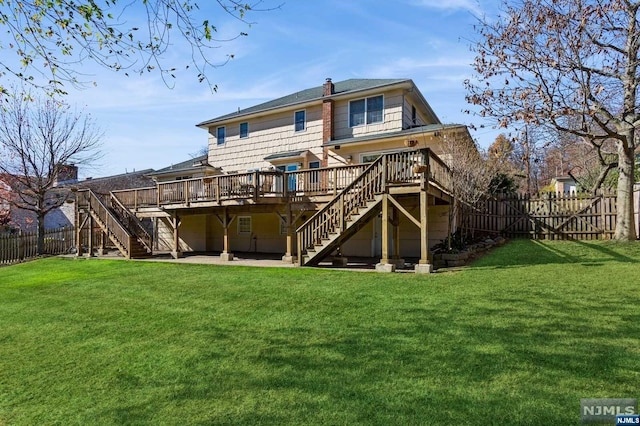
{"x": 176, "y": 253}
{"x": 79, "y": 226}
{"x": 288, "y": 256}
{"x": 424, "y": 266}
{"x": 102, "y": 250}
{"x": 384, "y": 265}
{"x": 226, "y": 221}
{"x": 90, "y": 238}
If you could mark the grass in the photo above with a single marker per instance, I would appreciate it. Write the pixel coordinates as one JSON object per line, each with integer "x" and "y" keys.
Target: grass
{"x": 518, "y": 338}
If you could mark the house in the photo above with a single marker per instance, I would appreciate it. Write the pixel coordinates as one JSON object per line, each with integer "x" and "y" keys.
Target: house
{"x": 564, "y": 185}
{"x": 352, "y": 168}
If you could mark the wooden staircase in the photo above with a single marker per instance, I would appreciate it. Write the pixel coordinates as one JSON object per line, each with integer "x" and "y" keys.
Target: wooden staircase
{"x": 123, "y": 229}
{"x": 356, "y": 205}
{"x": 331, "y": 240}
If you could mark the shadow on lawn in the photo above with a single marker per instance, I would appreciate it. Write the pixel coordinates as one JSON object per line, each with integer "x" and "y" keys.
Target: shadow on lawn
{"x": 523, "y": 364}
{"x": 532, "y": 252}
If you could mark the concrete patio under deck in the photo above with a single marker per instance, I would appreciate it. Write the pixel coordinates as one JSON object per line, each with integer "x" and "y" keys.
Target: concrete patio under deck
{"x": 269, "y": 260}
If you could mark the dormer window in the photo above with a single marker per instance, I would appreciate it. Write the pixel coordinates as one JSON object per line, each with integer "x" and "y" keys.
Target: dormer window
{"x": 366, "y": 111}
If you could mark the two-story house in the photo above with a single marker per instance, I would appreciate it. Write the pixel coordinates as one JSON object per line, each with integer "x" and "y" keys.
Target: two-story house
{"x": 351, "y": 168}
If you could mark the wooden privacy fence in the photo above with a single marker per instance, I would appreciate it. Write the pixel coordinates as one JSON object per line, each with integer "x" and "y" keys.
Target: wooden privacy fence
{"x": 18, "y": 247}
{"x": 545, "y": 216}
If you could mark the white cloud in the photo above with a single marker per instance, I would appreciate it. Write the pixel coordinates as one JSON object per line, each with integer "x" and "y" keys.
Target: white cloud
{"x": 472, "y": 6}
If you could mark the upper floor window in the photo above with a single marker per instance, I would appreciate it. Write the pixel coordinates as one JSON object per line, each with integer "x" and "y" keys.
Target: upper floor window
{"x": 300, "y": 118}
{"x": 414, "y": 115}
{"x": 366, "y": 111}
{"x": 244, "y": 130}
{"x": 220, "y": 135}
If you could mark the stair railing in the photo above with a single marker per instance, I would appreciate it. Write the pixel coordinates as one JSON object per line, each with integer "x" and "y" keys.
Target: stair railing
{"x": 132, "y": 223}
{"x": 108, "y": 221}
{"x": 334, "y": 215}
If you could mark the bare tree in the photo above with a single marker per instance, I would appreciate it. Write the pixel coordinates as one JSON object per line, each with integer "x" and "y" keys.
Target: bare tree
{"x": 38, "y": 139}
{"x": 54, "y": 39}
{"x": 545, "y": 61}
{"x": 470, "y": 178}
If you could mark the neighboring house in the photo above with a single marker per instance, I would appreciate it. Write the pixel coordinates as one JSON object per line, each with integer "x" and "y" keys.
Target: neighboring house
{"x": 16, "y": 219}
{"x": 564, "y": 185}
{"x": 65, "y": 184}
{"x": 352, "y": 156}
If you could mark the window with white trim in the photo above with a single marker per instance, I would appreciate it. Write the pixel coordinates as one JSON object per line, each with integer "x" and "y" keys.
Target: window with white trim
{"x": 220, "y": 135}
{"x": 366, "y": 111}
{"x": 244, "y": 130}
{"x": 300, "y": 120}
{"x": 369, "y": 157}
{"x": 244, "y": 225}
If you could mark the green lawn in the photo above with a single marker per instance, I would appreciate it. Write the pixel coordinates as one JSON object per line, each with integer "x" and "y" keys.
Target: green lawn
{"x": 518, "y": 338}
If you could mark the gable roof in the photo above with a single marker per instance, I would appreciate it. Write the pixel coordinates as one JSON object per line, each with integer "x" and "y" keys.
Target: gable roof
{"x": 106, "y": 184}
{"x": 353, "y": 85}
{"x": 201, "y": 160}
{"x": 196, "y": 164}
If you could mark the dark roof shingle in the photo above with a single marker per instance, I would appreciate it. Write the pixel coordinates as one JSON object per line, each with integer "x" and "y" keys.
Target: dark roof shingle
{"x": 341, "y": 87}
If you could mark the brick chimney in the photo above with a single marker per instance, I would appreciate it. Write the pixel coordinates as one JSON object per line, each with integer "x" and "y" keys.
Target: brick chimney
{"x": 67, "y": 173}
{"x": 328, "y": 89}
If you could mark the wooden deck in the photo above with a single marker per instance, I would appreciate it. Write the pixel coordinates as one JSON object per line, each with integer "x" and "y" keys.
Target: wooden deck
{"x": 344, "y": 200}
{"x": 404, "y": 175}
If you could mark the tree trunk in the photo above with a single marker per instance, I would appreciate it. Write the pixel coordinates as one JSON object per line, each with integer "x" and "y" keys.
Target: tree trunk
{"x": 625, "y": 227}
{"x": 40, "y": 247}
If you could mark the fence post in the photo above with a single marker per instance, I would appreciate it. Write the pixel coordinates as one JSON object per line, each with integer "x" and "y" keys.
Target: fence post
{"x": 21, "y": 246}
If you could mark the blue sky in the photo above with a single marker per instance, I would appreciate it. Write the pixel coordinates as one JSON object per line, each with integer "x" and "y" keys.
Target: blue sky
{"x": 291, "y": 48}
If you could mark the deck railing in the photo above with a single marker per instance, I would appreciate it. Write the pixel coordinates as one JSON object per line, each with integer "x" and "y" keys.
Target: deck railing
{"x": 263, "y": 184}
{"x": 439, "y": 172}
{"x": 327, "y": 180}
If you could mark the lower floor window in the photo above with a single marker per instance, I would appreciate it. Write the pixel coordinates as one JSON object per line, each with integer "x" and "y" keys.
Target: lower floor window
{"x": 244, "y": 224}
